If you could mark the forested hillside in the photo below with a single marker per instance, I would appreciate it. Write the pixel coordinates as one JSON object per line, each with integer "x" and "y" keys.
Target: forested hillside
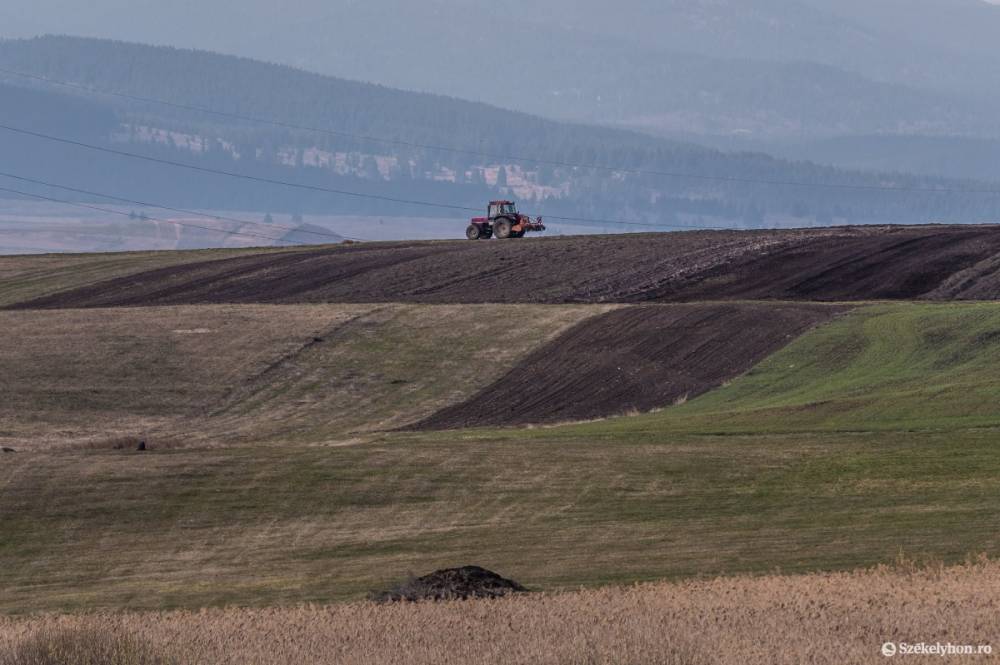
{"x": 588, "y": 60}
{"x": 480, "y": 163}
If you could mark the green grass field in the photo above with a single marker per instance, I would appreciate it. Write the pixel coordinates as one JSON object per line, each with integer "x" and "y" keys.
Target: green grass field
{"x": 884, "y": 367}
{"x": 868, "y": 437}
{"x": 891, "y": 367}
{"x": 267, "y": 525}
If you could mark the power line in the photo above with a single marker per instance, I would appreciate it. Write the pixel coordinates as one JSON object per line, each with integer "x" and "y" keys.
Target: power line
{"x": 316, "y": 188}
{"x": 231, "y": 174}
{"x": 183, "y": 211}
{"x": 497, "y": 156}
{"x": 111, "y": 197}
{"x": 68, "y": 232}
{"x": 154, "y": 219}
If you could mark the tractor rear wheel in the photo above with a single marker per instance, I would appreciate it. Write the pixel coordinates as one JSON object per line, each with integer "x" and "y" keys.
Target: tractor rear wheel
{"x": 501, "y": 229}
{"x": 472, "y": 233}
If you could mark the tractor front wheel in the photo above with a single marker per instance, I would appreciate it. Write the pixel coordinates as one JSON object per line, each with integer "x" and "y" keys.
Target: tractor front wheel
{"x": 501, "y": 229}
{"x": 472, "y": 233}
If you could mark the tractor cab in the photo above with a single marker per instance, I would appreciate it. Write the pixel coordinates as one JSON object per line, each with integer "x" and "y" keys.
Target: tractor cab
{"x": 500, "y": 209}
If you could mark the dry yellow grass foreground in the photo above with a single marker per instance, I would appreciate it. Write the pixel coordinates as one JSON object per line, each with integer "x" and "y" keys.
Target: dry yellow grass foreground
{"x": 822, "y": 618}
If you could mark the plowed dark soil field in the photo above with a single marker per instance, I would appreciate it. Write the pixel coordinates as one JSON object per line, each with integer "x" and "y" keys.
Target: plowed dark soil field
{"x": 633, "y": 359}
{"x": 847, "y": 263}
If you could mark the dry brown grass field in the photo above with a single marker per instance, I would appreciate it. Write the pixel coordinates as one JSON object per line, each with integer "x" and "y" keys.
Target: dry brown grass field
{"x": 185, "y": 376}
{"x": 779, "y": 620}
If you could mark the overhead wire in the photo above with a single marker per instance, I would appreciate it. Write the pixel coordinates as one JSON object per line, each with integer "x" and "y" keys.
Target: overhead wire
{"x": 318, "y": 188}
{"x": 231, "y": 174}
{"x": 496, "y": 156}
{"x": 221, "y": 218}
{"x": 110, "y": 211}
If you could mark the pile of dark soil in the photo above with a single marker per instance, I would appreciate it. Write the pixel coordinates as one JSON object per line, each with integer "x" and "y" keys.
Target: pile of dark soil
{"x": 451, "y": 584}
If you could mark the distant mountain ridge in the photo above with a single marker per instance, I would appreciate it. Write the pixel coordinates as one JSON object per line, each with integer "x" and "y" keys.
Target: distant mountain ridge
{"x": 721, "y": 188}
{"x": 947, "y": 45}
{"x": 780, "y": 68}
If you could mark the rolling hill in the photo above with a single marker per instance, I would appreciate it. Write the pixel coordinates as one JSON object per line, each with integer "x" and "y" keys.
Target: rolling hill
{"x": 830, "y": 264}
{"x": 580, "y": 59}
{"x": 813, "y": 436}
{"x": 306, "y": 514}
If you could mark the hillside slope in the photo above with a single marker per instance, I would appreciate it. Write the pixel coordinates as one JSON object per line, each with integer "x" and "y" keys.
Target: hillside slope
{"x": 834, "y": 264}
{"x": 893, "y": 448}
{"x": 194, "y": 376}
{"x": 880, "y": 368}
{"x": 632, "y": 359}
{"x": 582, "y": 59}
{"x": 26, "y": 277}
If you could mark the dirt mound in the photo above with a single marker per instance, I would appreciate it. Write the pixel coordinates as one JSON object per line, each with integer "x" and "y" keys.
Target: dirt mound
{"x": 633, "y": 359}
{"x": 452, "y": 584}
{"x": 847, "y": 263}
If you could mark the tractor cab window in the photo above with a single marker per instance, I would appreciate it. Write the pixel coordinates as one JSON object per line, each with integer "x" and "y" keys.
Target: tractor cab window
{"x": 498, "y": 209}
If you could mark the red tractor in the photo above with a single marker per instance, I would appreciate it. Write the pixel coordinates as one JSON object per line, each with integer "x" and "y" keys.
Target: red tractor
{"x": 503, "y": 221}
